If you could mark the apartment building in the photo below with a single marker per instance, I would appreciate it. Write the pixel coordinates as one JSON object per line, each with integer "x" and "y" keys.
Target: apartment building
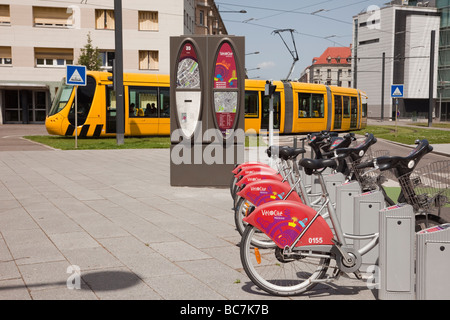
{"x": 39, "y": 38}
{"x": 332, "y": 67}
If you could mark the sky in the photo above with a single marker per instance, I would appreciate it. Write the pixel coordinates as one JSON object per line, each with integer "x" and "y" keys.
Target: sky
{"x": 316, "y": 25}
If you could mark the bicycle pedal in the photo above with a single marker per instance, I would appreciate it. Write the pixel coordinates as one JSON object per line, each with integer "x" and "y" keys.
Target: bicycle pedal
{"x": 337, "y": 273}
{"x": 358, "y": 275}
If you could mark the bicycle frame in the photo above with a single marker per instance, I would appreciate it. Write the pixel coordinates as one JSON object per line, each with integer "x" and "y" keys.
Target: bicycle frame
{"x": 293, "y": 226}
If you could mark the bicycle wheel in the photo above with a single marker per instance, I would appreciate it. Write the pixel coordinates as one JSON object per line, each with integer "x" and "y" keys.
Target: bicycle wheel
{"x": 240, "y": 211}
{"x": 426, "y": 221}
{"x": 232, "y": 185}
{"x": 276, "y": 274}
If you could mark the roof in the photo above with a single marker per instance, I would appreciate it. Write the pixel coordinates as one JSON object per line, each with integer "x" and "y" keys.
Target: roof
{"x": 334, "y": 55}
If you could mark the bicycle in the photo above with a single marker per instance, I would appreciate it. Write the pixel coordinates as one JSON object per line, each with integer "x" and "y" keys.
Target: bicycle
{"x": 322, "y": 141}
{"x": 262, "y": 191}
{"x": 299, "y": 243}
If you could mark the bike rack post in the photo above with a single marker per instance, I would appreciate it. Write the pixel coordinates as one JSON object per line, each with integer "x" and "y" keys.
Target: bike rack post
{"x": 433, "y": 263}
{"x": 367, "y": 209}
{"x": 396, "y": 263}
{"x": 345, "y": 209}
{"x": 332, "y": 180}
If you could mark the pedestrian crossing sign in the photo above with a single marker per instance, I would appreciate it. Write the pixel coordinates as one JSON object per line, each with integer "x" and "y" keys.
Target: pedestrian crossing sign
{"x": 397, "y": 91}
{"x": 76, "y": 75}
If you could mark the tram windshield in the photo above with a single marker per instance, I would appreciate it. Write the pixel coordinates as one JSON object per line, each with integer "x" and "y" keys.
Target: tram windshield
{"x": 61, "y": 99}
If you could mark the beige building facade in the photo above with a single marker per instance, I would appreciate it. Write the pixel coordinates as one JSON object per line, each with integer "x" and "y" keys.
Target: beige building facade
{"x": 38, "y": 39}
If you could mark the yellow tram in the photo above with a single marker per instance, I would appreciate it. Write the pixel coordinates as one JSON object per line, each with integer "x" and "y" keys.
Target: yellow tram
{"x": 298, "y": 107}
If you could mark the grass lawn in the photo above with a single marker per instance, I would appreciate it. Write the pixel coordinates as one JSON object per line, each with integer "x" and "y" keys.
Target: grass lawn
{"x": 392, "y": 192}
{"x": 68, "y": 143}
{"x": 445, "y": 125}
{"x": 407, "y": 135}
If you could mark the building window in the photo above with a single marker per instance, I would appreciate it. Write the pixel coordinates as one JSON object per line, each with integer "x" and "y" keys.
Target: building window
{"x": 148, "y": 20}
{"x": 328, "y": 73}
{"x": 53, "y": 57}
{"x": 148, "y": 60}
{"x": 107, "y": 58}
{"x": 201, "y": 21}
{"x": 5, "y": 18}
{"x": 52, "y": 17}
{"x": 5, "y": 56}
{"x": 104, "y": 19}
{"x": 361, "y": 43}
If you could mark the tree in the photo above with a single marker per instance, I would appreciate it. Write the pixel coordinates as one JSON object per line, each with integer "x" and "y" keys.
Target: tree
{"x": 90, "y": 56}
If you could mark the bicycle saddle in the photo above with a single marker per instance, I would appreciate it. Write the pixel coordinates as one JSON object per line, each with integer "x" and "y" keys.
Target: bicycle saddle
{"x": 354, "y": 153}
{"x": 274, "y": 150}
{"x": 291, "y": 153}
{"x": 338, "y": 142}
{"x": 403, "y": 165}
{"x": 316, "y": 164}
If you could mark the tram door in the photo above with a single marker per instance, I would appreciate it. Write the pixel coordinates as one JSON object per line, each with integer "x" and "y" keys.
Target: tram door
{"x": 276, "y": 111}
{"x": 337, "y": 112}
{"x": 353, "y": 112}
{"x": 110, "y": 125}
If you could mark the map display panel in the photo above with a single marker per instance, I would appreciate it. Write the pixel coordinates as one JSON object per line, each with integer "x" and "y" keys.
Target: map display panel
{"x": 188, "y": 73}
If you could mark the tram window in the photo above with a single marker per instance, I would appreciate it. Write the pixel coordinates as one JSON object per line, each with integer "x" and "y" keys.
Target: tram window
{"x": 303, "y": 105}
{"x": 346, "y": 106}
{"x": 164, "y": 100}
{"x": 317, "y": 106}
{"x": 85, "y": 96}
{"x": 143, "y": 102}
{"x": 251, "y": 104}
{"x": 310, "y": 105}
{"x": 62, "y": 97}
{"x": 364, "y": 110}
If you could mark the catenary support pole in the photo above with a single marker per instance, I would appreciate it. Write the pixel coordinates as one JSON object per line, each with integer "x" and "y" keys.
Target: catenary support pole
{"x": 120, "y": 118}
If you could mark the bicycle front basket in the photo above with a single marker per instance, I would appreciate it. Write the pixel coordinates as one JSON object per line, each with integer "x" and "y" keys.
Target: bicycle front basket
{"x": 370, "y": 178}
{"x": 427, "y": 187}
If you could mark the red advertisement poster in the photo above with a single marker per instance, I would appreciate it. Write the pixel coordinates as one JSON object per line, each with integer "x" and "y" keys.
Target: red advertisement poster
{"x": 225, "y": 71}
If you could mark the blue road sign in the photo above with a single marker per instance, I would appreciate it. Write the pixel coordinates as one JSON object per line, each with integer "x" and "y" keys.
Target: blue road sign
{"x": 397, "y": 91}
{"x": 76, "y": 75}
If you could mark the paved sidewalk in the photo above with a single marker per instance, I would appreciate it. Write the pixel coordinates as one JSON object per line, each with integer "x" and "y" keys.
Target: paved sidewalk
{"x": 113, "y": 215}
{"x": 11, "y": 137}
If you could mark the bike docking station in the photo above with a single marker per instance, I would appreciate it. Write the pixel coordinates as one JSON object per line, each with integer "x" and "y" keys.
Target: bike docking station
{"x": 358, "y": 214}
{"x": 396, "y": 254}
{"x": 433, "y": 263}
{"x": 206, "y": 109}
